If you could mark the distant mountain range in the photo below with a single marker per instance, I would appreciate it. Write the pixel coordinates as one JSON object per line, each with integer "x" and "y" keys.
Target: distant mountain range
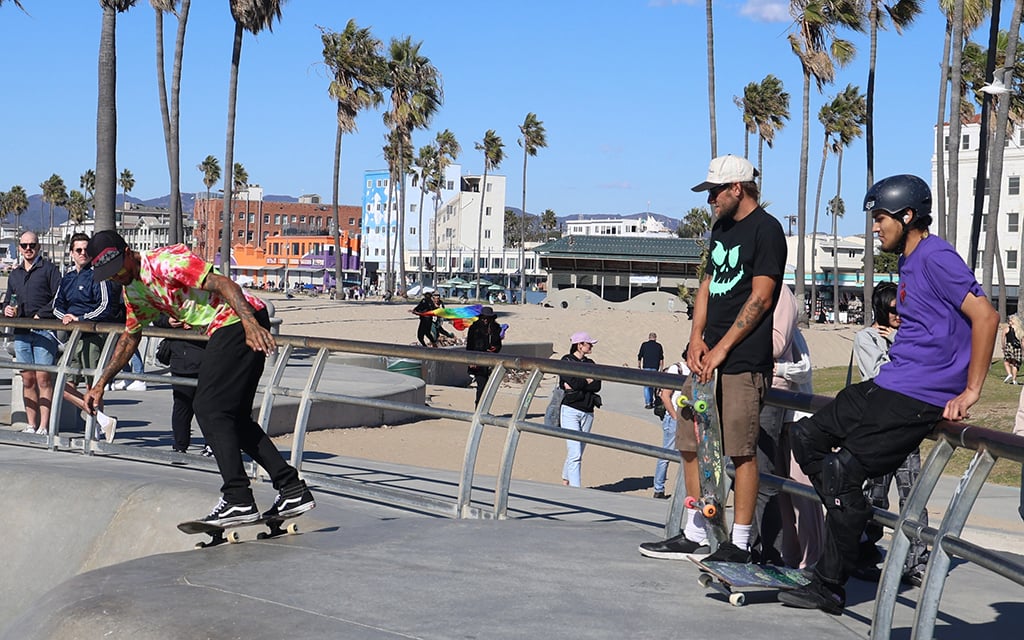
{"x": 37, "y": 216}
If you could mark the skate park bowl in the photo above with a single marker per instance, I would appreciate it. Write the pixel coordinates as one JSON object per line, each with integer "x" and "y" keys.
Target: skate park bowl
{"x": 397, "y": 551}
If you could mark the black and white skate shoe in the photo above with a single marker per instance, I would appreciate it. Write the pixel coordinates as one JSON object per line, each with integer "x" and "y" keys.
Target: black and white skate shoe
{"x": 290, "y": 502}
{"x": 226, "y": 514}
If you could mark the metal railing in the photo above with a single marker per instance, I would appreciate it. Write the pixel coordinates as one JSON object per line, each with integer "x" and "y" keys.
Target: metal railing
{"x": 945, "y": 540}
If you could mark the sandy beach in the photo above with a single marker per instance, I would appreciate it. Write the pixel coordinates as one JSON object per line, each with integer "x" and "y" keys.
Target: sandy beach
{"x": 441, "y": 443}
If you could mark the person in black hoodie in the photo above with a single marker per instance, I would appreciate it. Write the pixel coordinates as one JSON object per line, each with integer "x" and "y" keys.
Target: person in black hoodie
{"x": 483, "y": 335}
{"x": 184, "y": 358}
{"x": 578, "y": 404}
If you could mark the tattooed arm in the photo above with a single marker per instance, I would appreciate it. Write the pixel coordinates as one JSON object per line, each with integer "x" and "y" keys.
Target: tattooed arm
{"x": 123, "y": 350}
{"x": 258, "y": 338}
{"x": 758, "y": 304}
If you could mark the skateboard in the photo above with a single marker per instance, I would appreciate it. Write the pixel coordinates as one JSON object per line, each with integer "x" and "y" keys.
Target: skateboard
{"x": 726, "y": 577}
{"x": 702, "y": 408}
{"x": 220, "y": 535}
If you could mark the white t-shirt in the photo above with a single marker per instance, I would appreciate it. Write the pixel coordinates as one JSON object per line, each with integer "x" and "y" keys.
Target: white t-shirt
{"x": 683, "y": 371}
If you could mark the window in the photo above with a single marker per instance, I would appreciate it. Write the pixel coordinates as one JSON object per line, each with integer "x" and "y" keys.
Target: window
{"x": 369, "y": 208}
{"x": 487, "y": 211}
{"x": 369, "y": 184}
{"x": 487, "y": 233}
{"x": 412, "y": 231}
{"x": 412, "y": 208}
{"x": 1014, "y": 185}
{"x": 241, "y": 215}
{"x": 451, "y": 183}
{"x": 252, "y": 218}
{"x": 528, "y": 262}
{"x": 945, "y": 144}
{"x": 266, "y": 218}
{"x": 277, "y": 219}
{"x": 293, "y": 219}
{"x": 1013, "y": 222}
{"x": 966, "y": 141}
{"x": 512, "y": 263}
{"x": 974, "y": 186}
{"x": 495, "y": 263}
{"x": 302, "y": 219}
{"x": 241, "y": 234}
{"x": 380, "y": 183}
{"x": 1011, "y": 259}
{"x": 351, "y": 221}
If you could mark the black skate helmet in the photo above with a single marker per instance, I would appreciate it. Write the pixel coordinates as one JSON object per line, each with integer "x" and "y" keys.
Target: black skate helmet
{"x": 896, "y": 194}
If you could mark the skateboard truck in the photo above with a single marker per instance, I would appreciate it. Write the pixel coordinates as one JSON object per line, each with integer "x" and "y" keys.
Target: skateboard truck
{"x": 708, "y": 507}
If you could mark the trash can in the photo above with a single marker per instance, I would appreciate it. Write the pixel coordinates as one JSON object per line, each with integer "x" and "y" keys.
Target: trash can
{"x": 406, "y": 367}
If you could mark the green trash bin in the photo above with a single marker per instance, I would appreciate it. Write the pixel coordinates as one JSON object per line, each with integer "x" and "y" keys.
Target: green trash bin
{"x": 406, "y": 367}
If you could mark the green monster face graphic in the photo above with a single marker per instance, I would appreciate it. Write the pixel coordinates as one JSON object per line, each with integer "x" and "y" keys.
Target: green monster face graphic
{"x": 726, "y": 274}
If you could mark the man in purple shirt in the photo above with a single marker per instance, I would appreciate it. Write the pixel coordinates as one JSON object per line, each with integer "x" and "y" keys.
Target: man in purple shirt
{"x": 937, "y": 369}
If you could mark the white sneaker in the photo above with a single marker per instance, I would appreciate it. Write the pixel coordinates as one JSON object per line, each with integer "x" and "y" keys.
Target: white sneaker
{"x": 108, "y": 431}
{"x": 41, "y": 431}
{"x": 118, "y": 385}
{"x": 136, "y": 385}
{"x": 29, "y": 429}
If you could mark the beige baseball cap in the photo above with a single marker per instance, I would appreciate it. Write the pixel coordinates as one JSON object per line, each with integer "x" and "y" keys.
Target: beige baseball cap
{"x": 727, "y": 170}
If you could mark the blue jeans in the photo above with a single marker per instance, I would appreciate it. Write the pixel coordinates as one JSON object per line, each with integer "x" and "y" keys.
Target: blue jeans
{"x": 649, "y": 392}
{"x": 37, "y": 347}
{"x": 575, "y": 420}
{"x": 668, "y": 440}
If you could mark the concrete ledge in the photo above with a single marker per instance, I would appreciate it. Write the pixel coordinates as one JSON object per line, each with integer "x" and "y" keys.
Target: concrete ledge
{"x": 582, "y": 299}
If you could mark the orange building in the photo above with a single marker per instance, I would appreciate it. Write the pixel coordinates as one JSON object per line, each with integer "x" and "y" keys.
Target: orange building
{"x": 254, "y": 221}
{"x": 295, "y": 259}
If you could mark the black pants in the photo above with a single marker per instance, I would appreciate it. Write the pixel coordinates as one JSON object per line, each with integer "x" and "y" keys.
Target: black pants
{"x": 481, "y": 375}
{"x": 182, "y": 412}
{"x": 228, "y": 378}
{"x": 425, "y": 332}
{"x": 874, "y": 429}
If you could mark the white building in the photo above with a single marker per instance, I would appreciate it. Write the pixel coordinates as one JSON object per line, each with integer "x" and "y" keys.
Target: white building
{"x": 630, "y": 227}
{"x": 1011, "y": 202}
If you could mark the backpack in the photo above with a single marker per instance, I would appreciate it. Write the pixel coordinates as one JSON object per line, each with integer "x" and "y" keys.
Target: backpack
{"x": 1012, "y": 338}
{"x": 659, "y": 405}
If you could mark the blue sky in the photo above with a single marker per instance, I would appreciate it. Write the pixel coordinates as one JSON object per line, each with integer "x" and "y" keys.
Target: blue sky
{"x": 620, "y": 87}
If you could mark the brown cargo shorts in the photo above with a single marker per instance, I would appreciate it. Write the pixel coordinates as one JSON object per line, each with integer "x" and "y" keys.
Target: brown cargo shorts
{"x": 740, "y": 415}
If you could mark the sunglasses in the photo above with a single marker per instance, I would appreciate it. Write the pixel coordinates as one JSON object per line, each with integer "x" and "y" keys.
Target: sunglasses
{"x": 29, "y": 245}
{"x": 78, "y": 250}
{"x": 893, "y": 311}
{"x": 715, "y": 191}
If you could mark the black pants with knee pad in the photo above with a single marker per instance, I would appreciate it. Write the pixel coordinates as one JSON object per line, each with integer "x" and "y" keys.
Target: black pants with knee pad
{"x": 867, "y": 431}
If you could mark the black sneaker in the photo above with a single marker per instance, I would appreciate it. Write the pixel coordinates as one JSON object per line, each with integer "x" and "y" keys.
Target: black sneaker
{"x": 660, "y": 495}
{"x": 816, "y": 595}
{"x": 290, "y": 502}
{"x": 226, "y": 514}
{"x": 677, "y": 548}
{"x": 728, "y": 552}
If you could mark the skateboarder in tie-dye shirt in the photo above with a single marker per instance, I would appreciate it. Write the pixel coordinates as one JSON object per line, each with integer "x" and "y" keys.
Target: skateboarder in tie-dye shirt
{"x": 175, "y": 281}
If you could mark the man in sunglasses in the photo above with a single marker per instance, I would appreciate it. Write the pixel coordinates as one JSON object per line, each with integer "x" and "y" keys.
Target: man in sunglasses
{"x": 31, "y": 287}
{"x": 176, "y": 282}
{"x": 80, "y": 299}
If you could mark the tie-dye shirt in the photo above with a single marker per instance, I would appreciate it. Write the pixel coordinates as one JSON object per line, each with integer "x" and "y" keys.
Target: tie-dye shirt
{"x": 170, "y": 281}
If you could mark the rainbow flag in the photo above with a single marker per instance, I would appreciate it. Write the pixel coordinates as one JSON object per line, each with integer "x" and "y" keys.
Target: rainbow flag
{"x": 461, "y": 317}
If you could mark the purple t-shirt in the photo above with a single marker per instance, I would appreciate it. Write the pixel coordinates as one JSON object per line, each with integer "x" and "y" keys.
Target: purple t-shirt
{"x": 929, "y": 359}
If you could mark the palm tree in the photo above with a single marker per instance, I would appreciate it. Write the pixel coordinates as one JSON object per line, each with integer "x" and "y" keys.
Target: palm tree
{"x": 17, "y": 203}
{"x": 494, "y": 153}
{"x": 56, "y": 194}
{"x": 127, "y": 182}
{"x": 534, "y": 138}
{"x": 87, "y": 182}
{"x": 548, "y": 221}
{"x": 240, "y": 179}
{"x": 210, "y": 169}
{"x": 746, "y": 107}
{"x": 353, "y": 58}
{"x": 78, "y": 207}
{"x": 170, "y": 113}
{"x": 709, "y": 19}
{"x": 426, "y": 161}
{"x": 106, "y": 115}
{"x": 770, "y": 111}
{"x": 819, "y": 50}
{"x": 448, "y": 149}
{"x": 416, "y": 95}
{"x": 695, "y": 223}
{"x": 17, "y": 3}
{"x": 253, "y": 16}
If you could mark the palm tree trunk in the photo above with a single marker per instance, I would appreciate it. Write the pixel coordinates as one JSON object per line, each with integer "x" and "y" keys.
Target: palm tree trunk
{"x": 338, "y": 279}
{"x": 177, "y": 216}
{"x": 387, "y": 231}
{"x": 229, "y": 153}
{"x": 401, "y": 226}
{"x": 835, "y": 239}
{"x": 480, "y": 229}
{"x": 801, "y": 214}
{"x": 165, "y": 115}
{"x": 760, "y": 164}
{"x": 957, "y": 44}
{"x": 982, "y": 177}
{"x": 814, "y": 229}
{"x": 106, "y": 123}
{"x": 869, "y": 140}
{"x": 419, "y": 227}
{"x": 940, "y": 139}
{"x": 522, "y": 235}
{"x": 711, "y": 78}
{"x": 437, "y": 204}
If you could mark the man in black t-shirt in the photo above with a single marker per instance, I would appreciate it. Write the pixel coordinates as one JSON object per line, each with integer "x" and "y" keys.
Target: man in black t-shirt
{"x": 651, "y": 357}
{"x": 732, "y": 334}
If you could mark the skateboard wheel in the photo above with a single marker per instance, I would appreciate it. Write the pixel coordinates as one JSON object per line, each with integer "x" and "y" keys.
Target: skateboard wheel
{"x": 704, "y": 580}
{"x": 701, "y": 406}
{"x": 710, "y": 511}
{"x": 737, "y": 599}
{"x": 690, "y": 502}
{"x": 232, "y": 536}
{"x": 682, "y": 401}
{"x": 293, "y": 528}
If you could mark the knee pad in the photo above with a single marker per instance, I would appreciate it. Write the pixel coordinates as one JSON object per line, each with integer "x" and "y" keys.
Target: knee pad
{"x": 809, "y": 445}
{"x": 842, "y": 479}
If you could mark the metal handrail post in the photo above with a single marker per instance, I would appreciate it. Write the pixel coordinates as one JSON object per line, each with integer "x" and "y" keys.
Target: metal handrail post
{"x": 960, "y": 504}
{"x": 473, "y": 441}
{"x": 899, "y": 548}
{"x": 305, "y": 405}
{"x": 508, "y": 454}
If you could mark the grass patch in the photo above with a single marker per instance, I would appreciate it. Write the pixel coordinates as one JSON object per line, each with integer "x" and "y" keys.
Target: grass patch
{"x": 995, "y": 410}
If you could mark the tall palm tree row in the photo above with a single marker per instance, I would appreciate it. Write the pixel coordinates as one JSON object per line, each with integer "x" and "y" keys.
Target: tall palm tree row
{"x": 494, "y": 154}
{"x": 534, "y": 137}
{"x": 356, "y": 67}
{"x": 169, "y": 112}
{"x": 816, "y": 44}
{"x": 850, "y": 109}
{"x": 106, "y": 115}
{"x": 253, "y": 16}
{"x": 416, "y": 95}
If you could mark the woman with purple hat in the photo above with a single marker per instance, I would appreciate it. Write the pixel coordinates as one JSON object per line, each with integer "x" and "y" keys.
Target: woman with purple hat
{"x": 578, "y": 405}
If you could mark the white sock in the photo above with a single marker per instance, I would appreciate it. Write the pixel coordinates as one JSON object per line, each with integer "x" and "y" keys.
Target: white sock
{"x": 741, "y": 536}
{"x": 103, "y": 420}
{"x": 694, "y": 529}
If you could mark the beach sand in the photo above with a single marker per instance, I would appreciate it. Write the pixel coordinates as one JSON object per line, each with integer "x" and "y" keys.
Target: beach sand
{"x": 441, "y": 444}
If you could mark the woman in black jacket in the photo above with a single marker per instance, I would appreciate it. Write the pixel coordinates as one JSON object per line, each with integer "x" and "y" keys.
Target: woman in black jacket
{"x": 578, "y": 404}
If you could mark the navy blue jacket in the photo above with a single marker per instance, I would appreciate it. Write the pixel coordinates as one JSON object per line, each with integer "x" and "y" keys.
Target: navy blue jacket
{"x": 35, "y": 289}
{"x": 87, "y": 300}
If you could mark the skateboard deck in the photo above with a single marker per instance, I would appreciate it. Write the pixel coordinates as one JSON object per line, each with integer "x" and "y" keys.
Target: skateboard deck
{"x": 726, "y": 577}
{"x": 702, "y": 407}
{"x": 220, "y": 535}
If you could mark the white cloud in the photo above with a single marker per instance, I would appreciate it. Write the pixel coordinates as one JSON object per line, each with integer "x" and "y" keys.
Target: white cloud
{"x": 766, "y": 11}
